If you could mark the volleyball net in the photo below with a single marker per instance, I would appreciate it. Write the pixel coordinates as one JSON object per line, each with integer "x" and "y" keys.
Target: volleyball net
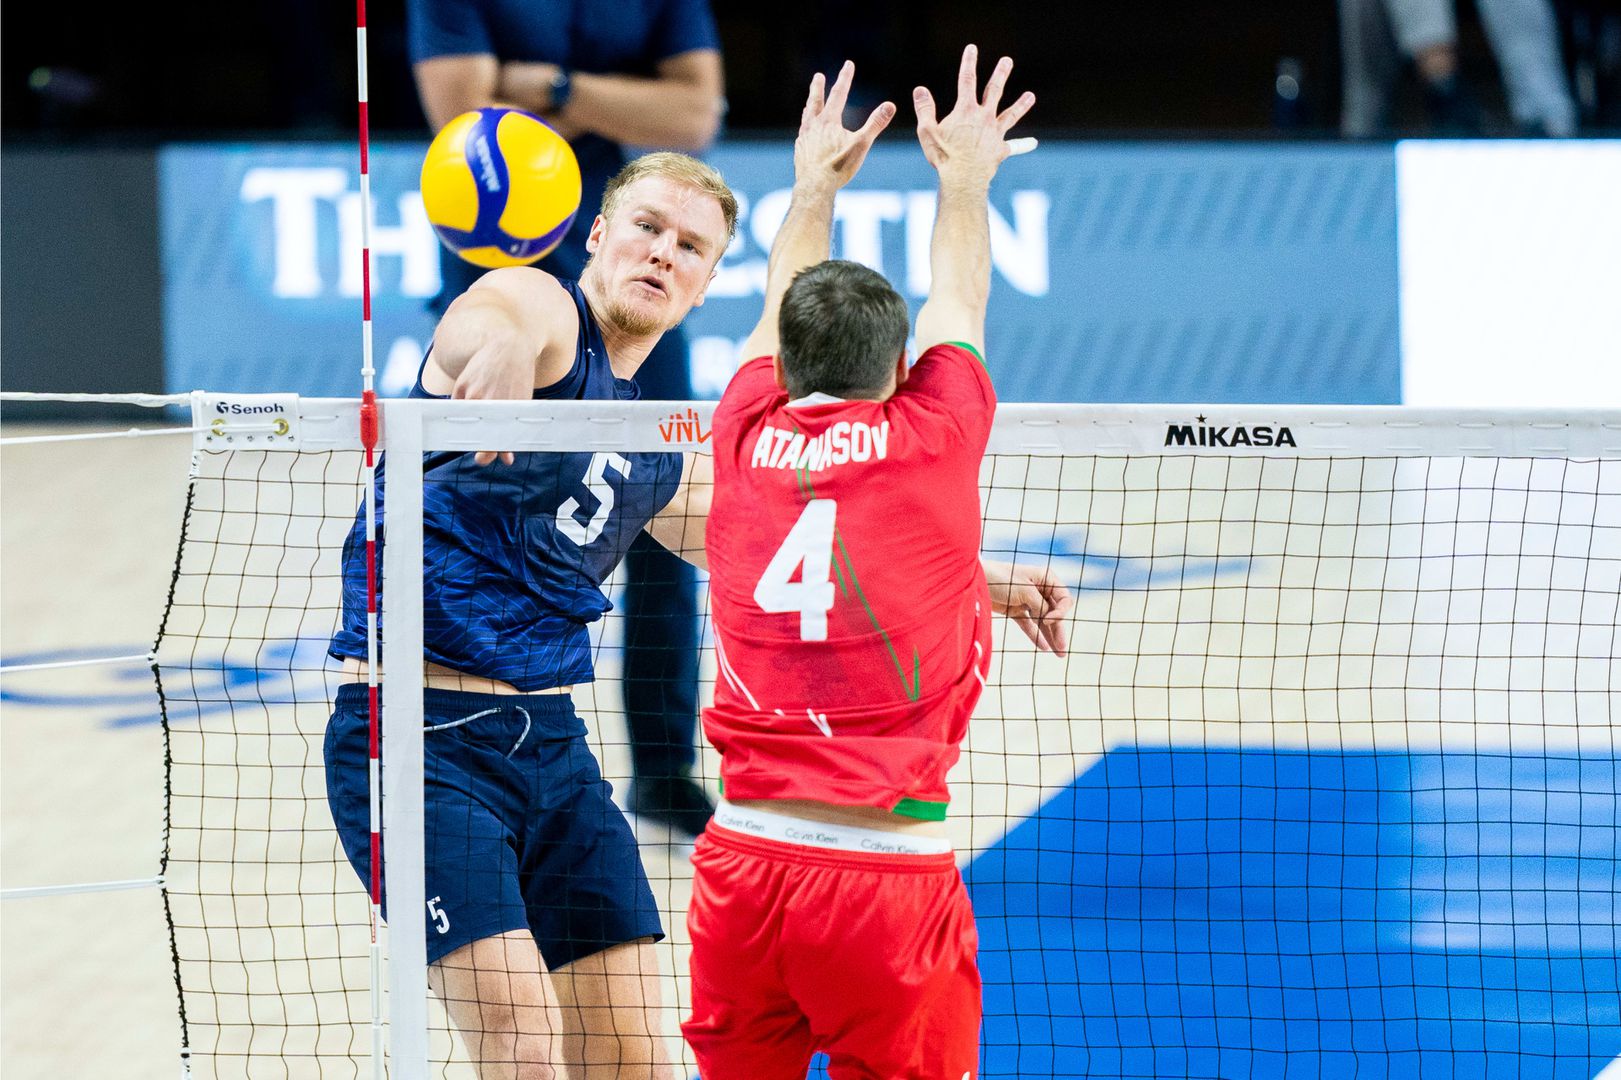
{"x": 1326, "y": 785}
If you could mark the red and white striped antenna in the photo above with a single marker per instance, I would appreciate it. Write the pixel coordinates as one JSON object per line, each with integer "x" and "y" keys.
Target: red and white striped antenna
{"x": 369, "y": 430}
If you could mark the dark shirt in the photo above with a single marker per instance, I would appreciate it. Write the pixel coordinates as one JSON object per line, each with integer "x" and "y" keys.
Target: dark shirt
{"x": 602, "y": 37}
{"x": 514, "y": 556}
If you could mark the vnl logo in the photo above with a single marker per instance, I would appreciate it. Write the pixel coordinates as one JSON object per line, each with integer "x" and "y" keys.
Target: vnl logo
{"x": 687, "y": 427}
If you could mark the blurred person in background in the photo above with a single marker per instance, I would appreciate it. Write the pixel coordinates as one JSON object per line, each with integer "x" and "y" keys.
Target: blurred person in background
{"x": 1376, "y": 35}
{"x": 605, "y": 74}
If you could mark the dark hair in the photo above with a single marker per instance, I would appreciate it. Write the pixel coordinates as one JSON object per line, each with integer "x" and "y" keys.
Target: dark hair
{"x": 841, "y": 328}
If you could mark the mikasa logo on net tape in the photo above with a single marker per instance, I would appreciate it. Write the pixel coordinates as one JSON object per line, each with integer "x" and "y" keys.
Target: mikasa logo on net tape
{"x": 1214, "y": 435}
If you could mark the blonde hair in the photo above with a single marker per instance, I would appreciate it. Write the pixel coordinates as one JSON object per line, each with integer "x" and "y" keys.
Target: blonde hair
{"x": 681, "y": 168}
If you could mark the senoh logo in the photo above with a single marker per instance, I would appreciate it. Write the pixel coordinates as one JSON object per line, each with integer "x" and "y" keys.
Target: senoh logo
{"x": 683, "y": 427}
{"x": 251, "y": 416}
{"x": 1204, "y": 434}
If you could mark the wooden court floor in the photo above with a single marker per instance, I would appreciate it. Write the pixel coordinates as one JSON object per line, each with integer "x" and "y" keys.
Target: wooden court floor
{"x": 87, "y": 540}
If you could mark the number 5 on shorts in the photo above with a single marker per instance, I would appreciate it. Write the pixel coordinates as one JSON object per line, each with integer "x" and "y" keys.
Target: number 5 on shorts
{"x": 809, "y": 544}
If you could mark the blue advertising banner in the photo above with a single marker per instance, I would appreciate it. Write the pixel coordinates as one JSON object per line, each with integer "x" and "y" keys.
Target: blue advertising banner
{"x": 1193, "y": 273}
{"x": 262, "y": 269}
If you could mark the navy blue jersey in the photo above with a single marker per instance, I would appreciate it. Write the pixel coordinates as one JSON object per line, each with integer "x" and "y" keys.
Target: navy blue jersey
{"x": 515, "y": 556}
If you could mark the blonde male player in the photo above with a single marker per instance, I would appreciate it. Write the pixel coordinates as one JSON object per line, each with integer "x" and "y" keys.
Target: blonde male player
{"x": 852, "y": 622}
{"x": 541, "y": 923}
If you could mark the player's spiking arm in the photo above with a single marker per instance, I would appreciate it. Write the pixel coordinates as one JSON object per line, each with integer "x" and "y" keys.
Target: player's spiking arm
{"x": 514, "y": 329}
{"x": 511, "y": 331}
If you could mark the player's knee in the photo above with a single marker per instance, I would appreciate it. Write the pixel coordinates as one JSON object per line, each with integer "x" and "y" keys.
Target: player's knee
{"x": 629, "y": 1045}
{"x": 524, "y": 1057}
{"x": 540, "y": 1070}
{"x": 533, "y": 1054}
{"x": 634, "y": 1058}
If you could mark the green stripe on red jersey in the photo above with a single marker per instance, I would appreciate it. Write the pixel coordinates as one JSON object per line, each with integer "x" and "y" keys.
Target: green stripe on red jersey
{"x": 963, "y": 345}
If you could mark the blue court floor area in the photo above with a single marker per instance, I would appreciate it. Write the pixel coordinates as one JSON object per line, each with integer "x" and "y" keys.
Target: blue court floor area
{"x": 1233, "y": 914}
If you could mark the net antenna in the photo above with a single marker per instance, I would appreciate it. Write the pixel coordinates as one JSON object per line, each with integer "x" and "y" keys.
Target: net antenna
{"x": 368, "y": 441}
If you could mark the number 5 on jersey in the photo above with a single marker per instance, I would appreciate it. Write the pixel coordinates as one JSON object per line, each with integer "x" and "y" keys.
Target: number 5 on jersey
{"x": 809, "y": 548}
{"x": 596, "y": 482}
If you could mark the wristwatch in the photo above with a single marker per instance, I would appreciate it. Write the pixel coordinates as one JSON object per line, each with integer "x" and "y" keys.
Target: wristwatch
{"x": 562, "y": 88}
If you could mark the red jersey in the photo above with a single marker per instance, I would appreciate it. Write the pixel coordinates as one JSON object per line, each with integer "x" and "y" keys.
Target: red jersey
{"x": 852, "y": 620}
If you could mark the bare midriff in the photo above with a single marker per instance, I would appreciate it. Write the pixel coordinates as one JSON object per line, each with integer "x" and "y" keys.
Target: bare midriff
{"x": 866, "y": 817}
{"x": 438, "y": 677}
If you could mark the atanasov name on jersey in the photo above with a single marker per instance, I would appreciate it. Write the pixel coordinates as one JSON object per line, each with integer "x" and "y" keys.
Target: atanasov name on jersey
{"x": 779, "y": 448}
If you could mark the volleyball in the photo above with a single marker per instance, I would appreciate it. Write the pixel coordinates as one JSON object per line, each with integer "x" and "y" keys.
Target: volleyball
{"x": 500, "y": 187}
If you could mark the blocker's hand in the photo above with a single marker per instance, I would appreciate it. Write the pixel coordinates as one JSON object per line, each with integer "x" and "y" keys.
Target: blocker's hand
{"x": 826, "y": 153}
{"x": 971, "y": 141}
{"x": 1034, "y": 599}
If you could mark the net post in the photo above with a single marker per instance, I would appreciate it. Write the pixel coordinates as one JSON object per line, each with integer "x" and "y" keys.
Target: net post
{"x": 402, "y": 743}
{"x": 369, "y": 430}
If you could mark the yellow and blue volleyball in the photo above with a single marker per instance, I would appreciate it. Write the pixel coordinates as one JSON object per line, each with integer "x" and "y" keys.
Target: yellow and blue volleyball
{"x": 500, "y": 187}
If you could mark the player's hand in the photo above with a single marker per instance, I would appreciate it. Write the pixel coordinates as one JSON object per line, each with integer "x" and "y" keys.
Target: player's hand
{"x": 1034, "y": 599}
{"x": 496, "y": 374}
{"x": 826, "y": 153}
{"x": 971, "y": 140}
{"x": 527, "y": 83}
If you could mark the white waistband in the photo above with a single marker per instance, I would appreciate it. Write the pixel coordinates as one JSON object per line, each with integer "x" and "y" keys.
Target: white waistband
{"x": 752, "y": 821}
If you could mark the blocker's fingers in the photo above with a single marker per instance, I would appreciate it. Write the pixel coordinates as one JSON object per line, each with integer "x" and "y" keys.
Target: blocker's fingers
{"x": 876, "y": 123}
{"x": 1056, "y": 634}
{"x": 1061, "y": 602}
{"x": 968, "y": 75}
{"x": 1015, "y": 147}
{"x": 1015, "y": 112}
{"x": 923, "y": 105}
{"x": 840, "y": 93}
{"x": 998, "y": 80}
{"x": 813, "y": 100}
{"x": 1028, "y": 625}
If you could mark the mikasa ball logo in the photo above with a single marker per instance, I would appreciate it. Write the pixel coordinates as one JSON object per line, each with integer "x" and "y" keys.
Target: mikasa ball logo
{"x": 486, "y": 165}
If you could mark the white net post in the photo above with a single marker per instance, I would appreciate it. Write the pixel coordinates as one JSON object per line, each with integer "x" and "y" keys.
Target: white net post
{"x": 402, "y": 740}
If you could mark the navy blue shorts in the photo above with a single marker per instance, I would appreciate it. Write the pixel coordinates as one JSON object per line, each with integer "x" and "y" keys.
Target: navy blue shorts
{"x": 520, "y": 830}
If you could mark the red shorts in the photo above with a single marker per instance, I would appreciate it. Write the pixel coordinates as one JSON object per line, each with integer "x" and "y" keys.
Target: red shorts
{"x": 868, "y": 958}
